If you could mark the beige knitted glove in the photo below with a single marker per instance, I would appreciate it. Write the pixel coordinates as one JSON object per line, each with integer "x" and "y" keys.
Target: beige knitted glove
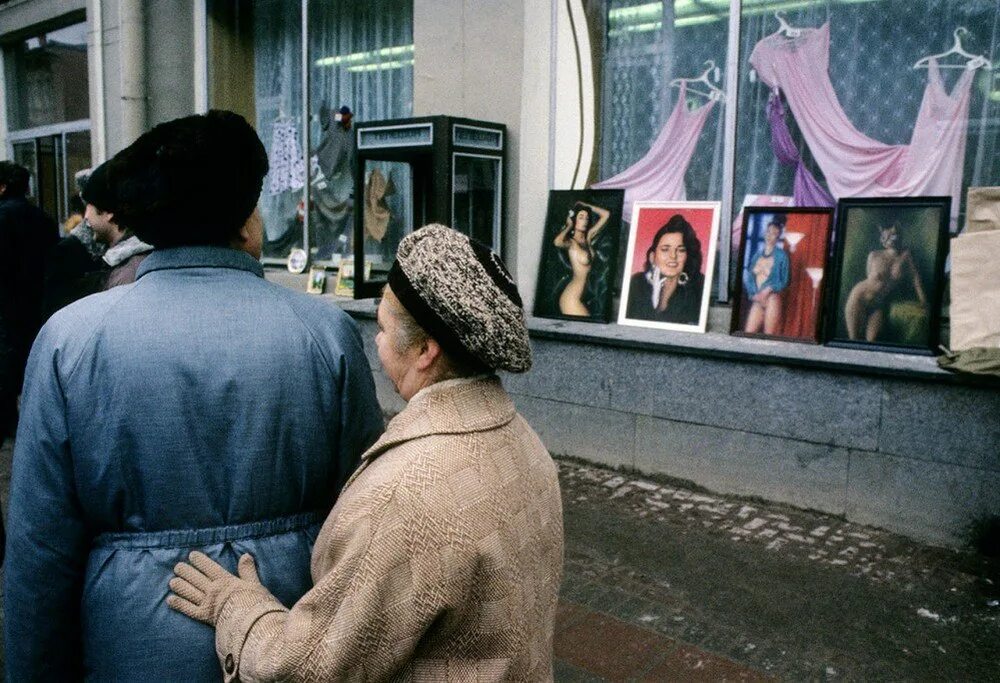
{"x": 201, "y": 589}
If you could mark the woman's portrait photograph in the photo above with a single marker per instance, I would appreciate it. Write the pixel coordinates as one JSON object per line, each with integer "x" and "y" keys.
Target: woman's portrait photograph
{"x": 669, "y": 264}
{"x": 579, "y": 255}
{"x": 782, "y": 268}
{"x": 890, "y": 273}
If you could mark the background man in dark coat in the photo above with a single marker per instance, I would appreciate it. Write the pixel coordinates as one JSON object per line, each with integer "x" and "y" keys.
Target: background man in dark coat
{"x": 26, "y": 235}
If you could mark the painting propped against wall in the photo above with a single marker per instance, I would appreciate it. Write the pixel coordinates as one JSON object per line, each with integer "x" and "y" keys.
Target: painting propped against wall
{"x": 782, "y": 272}
{"x": 579, "y": 255}
{"x": 669, "y": 265}
{"x": 889, "y": 265}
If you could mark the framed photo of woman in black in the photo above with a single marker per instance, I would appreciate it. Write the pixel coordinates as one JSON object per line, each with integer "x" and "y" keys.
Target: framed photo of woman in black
{"x": 782, "y": 273}
{"x": 579, "y": 255}
{"x": 889, "y": 274}
{"x": 669, "y": 264}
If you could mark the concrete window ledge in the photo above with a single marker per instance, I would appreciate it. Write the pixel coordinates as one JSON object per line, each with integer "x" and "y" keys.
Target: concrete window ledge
{"x": 719, "y": 345}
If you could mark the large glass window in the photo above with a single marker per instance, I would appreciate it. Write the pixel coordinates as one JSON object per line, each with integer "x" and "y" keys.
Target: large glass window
{"x": 360, "y": 67}
{"x": 649, "y": 48}
{"x": 47, "y": 112}
{"x": 835, "y": 100}
{"x": 47, "y": 78}
{"x": 859, "y": 129}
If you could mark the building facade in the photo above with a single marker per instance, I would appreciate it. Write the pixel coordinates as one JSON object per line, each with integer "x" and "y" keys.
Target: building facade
{"x": 584, "y": 87}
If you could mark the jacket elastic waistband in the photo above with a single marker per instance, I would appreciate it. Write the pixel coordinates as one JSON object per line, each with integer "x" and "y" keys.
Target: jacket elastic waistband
{"x": 191, "y": 538}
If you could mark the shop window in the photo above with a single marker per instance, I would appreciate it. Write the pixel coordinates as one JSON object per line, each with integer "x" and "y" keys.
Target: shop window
{"x": 359, "y": 63}
{"x": 873, "y": 47}
{"x": 649, "y": 46}
{"x": 877, "y": 94}
{"x": 47, "y": 112}
{"x": 48, "y": 71}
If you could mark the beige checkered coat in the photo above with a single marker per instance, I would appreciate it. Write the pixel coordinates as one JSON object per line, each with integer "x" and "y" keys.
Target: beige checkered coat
{"x": 440, "y": 562}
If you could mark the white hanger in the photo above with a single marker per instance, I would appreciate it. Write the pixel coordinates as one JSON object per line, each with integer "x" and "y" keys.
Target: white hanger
{"x": 713, "y": 92}
{"x": 785, "y": 28}
{"x": 975, "y": 61}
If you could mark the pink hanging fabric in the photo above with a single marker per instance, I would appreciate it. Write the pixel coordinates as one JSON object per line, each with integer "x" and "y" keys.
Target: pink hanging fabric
{"x": 854, "y": 164}
{"x": 659, "y": 175}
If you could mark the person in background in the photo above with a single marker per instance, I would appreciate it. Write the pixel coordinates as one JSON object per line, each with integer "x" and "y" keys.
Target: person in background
{"x": 74, "y": 268}
{"x": 443, "y": 557}
{"x": 199, "y": 407}
{"x": 125, "y": 251}
{"x": 26, "y": 235}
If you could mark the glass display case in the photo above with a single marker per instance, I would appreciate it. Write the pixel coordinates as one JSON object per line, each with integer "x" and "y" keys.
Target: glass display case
{"x": 411, "y": 172}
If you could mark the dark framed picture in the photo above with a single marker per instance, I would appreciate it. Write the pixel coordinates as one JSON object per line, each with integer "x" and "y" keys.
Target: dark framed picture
{"x": 889, "y": 273}
{"x": 579, "y": 255}
{"x": 782, "y": 273}
{"x": 669, "y": 264}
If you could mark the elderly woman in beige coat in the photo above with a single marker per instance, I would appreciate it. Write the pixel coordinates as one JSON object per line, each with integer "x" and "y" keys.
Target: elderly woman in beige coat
{"x": 443, "y": 555}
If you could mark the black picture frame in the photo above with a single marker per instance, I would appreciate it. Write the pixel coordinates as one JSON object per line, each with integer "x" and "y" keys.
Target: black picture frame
{"x": 555, "y": 272}
{"x": 805, "y": 235}
{"x": 904, "y": 323}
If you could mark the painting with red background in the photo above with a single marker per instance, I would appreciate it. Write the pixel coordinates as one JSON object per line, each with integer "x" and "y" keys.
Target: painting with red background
{"x": 805, "y": 240}
{"x": 652, "y": 219}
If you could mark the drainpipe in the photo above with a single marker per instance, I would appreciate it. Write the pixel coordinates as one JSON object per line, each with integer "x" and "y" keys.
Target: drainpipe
{"x": 133, "y": 60}
{"x": 95, "y": 65}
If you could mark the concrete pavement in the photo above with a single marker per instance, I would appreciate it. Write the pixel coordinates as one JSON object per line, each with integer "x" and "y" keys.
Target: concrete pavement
{"x": 667, "y": 582}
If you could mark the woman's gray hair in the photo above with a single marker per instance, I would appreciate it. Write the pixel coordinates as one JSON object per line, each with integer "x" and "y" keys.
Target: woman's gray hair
{"x": 409, "y": 333}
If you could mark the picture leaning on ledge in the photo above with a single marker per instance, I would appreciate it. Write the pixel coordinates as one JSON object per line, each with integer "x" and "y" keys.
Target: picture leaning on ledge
{"x": 669, "y": 265}
{"x": 889, "y": 263}
{"x": 579, "y": 258}
{"x": 782, "y": 268}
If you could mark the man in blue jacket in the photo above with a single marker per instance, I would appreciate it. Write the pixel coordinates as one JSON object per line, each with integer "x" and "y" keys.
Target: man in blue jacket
{"x": 199, "y": 407}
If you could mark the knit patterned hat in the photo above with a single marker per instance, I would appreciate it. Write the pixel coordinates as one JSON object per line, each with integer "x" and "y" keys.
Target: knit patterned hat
{"x": 462, "y": 295}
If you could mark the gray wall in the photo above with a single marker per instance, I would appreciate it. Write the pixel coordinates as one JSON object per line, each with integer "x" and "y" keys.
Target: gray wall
{"x": 169, "y": 57}
{"x": 916, "y": 456}
{"x": 468, "y": 62}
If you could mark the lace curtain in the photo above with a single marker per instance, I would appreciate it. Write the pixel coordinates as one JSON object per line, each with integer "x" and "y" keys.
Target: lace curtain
{"x": 646, "y": 46}
{"x": 361, "y": 56}
{"x": 873, "y": 46}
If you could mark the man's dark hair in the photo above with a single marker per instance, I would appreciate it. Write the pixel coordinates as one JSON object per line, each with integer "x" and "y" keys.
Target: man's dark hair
{"x": 15, "y": 178}
{"x": 190, "y": 181}
{"x": 99, "y": 190}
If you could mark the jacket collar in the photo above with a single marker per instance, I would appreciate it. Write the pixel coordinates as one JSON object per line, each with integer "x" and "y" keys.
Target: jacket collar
{"x": 450, "y": 407}
{"x": 199, "y": 257}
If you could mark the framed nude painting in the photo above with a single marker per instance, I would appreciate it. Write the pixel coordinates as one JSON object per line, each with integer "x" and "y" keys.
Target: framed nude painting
{"x": 782, "y": 272}
{"x": 669, "y": 265}
{"x": 579, "y": 255}
{"x": 889, "y": 273}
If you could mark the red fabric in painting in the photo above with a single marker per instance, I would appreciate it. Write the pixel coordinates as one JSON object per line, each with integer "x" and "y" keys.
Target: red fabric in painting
{"x": 801, "y": 301}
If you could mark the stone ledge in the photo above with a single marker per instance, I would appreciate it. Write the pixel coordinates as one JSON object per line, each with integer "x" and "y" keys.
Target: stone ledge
{"x": 709, "y": 345}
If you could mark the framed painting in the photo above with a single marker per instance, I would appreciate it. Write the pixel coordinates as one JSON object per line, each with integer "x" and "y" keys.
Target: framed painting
{"x": 669, "y": 264}
{"x": 889, "y": 273}
{"x": 579, "y": 255}
{"x": 782, "y": 273}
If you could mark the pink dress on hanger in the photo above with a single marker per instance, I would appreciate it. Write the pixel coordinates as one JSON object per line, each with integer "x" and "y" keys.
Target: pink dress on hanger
{"x": 659, "y": 175}
{"x": 854, "y": 164}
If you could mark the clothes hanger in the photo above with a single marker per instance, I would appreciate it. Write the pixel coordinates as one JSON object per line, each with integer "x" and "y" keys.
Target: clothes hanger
{"x": 785, "y": 28}
{"x": 975, "y": 61}
{"x": 712, "y": 92}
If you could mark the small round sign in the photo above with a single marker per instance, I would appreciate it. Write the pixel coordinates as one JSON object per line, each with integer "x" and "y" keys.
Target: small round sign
{"x": 297, "y": 261}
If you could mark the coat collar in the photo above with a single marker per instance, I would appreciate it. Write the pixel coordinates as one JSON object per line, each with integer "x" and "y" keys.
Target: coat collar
{"x": 199, "y": 257}
{"x": 450, "y": 407}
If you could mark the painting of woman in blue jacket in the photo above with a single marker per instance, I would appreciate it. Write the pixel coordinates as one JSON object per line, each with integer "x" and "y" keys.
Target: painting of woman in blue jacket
{"x": 764, "y": 278}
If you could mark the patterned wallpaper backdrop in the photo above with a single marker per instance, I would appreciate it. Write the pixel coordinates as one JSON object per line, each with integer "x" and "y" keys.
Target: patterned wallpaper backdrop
{"x": 874, "y": 44}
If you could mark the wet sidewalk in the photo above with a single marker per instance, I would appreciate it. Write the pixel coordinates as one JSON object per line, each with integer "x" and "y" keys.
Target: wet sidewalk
{"x": 664, "y": 582}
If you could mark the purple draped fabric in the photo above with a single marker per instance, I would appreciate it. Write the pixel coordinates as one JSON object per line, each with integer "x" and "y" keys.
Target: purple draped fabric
{"x": 807, "y": 190}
